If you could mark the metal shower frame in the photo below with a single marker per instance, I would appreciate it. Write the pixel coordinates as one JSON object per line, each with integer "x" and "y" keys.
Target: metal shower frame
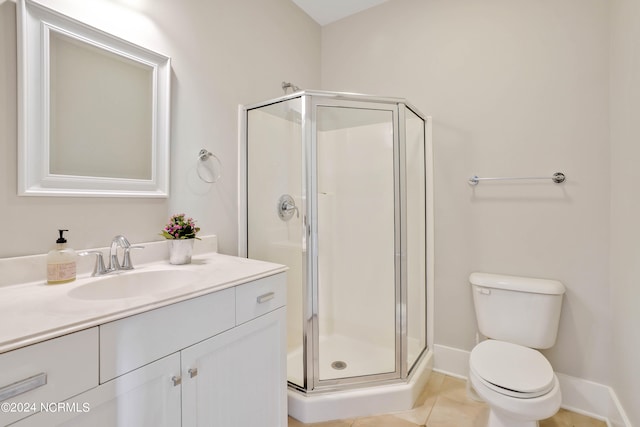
{"x": 310, "y": 100}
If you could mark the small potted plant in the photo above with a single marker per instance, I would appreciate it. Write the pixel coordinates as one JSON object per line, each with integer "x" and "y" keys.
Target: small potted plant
{"x": 181, "y": 233}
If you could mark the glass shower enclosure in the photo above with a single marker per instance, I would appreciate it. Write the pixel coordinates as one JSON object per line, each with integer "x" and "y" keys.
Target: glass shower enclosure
{"x": 335, "y": 188}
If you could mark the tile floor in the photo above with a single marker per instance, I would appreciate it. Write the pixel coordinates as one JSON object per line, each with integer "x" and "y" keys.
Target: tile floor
{"x": 444, "y": 403}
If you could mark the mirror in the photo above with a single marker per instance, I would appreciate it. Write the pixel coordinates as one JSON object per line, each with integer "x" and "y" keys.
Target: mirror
{"x": 94, "y": 113}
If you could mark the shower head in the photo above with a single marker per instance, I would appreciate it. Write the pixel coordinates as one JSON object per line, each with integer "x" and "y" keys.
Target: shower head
{"x": 288, "y": 85}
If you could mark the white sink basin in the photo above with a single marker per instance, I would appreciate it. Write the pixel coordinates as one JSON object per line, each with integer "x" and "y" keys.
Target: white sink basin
{"x": 134, "y": 284}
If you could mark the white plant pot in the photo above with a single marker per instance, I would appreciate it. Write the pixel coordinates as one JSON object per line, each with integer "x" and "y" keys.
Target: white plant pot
{"x": 180, "y": 251}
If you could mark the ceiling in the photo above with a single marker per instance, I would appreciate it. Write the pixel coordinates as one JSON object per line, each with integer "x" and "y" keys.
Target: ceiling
{"x": 327, "y": 11}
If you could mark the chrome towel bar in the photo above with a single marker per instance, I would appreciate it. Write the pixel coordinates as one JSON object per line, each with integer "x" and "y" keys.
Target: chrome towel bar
{"x": 557, "y": 177}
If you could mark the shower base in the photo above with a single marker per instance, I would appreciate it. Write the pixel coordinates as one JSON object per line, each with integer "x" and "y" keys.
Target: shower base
{"x": 360, "y": 401}
{"x": 344, "y": 357}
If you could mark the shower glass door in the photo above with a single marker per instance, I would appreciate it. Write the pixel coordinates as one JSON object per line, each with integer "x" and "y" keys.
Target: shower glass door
{"x": 357, "y": 271}
{"x": 275, "y": 210}
{"x": 415, "y": 207}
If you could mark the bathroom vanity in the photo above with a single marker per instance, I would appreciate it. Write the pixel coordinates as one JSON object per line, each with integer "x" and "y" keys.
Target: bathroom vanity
{"x": 211, "y": 351}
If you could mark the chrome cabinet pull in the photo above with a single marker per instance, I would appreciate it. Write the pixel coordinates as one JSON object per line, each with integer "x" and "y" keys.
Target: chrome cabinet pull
{"x": 193, "y": 372}
{"x": 23, "y": 386}
{"x": 176, "y": 380}
{"x": 266, "y": 297}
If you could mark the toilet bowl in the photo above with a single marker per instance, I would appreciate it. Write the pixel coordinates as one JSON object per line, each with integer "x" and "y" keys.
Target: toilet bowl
{"x": 517, "y": 382}
{"x": 518, "y": 315}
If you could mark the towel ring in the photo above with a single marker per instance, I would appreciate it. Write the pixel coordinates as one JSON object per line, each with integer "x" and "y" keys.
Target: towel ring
{"x": 209, "y": 167}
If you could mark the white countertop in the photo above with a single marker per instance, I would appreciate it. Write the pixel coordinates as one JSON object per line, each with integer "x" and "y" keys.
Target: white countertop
{"x": 34, "y": 312}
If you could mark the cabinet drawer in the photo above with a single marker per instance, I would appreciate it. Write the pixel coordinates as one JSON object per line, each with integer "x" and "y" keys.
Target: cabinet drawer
{"x": 54, "y": 370}
{"x": 259, "y": 297}
{"x": 129, "y": 343}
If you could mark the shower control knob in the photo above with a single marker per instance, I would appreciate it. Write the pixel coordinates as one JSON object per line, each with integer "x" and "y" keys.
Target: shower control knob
{"x": 286, "y": 208}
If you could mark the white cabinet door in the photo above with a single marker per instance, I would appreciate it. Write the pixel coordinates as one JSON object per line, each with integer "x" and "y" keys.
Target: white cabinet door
{"x": 145, "y": 397}
{"x": 241, "y": 376}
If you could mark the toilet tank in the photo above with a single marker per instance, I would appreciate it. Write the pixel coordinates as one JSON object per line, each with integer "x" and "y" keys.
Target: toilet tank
{"x": 520, "y": 310}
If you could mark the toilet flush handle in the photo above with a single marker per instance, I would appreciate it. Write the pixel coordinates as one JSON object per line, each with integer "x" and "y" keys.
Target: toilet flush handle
{"x": 484, "y": 291}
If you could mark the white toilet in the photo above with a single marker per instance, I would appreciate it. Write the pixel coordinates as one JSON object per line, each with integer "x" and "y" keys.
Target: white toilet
{"x": 517, "y": 315}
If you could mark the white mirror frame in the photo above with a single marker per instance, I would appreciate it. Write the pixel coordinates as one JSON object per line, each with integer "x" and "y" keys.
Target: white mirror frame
{"x": 35, "y": 22}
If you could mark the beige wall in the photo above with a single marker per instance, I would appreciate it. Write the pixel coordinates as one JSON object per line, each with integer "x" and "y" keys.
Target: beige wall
{"x": 223, "y": 54}
{"x": 625, "y": 203}
{"x": 516, "y": 88}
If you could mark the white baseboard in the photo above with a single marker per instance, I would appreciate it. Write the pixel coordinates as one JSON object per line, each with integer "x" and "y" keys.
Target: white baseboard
{"x": 617, "y": 415}
{"x": 451, "y": 361}
{"x": 578, "y": 395}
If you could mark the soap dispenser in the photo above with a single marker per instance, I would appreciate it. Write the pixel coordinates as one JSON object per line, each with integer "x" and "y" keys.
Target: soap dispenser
{"x": 61, "y": 262}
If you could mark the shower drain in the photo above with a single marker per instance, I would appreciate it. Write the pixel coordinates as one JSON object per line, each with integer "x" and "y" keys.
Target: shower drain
{"x": 339, "y": 365}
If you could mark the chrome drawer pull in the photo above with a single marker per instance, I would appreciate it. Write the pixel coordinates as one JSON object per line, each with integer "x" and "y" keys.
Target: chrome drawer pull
{"x": 23, "y": 386}
{"x": 193, "y": 372}
{"x": 176, "y": 380}
{"x": 266, "y": 297}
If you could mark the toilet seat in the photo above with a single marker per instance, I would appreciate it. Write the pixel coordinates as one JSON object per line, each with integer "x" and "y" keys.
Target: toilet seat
{"x": 511, "y": 369}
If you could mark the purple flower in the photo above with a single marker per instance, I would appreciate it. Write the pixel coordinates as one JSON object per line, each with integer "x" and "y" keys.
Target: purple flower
{"x": 180, "y": 228}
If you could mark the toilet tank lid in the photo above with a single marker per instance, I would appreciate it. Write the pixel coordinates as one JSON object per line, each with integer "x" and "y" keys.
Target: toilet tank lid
{"x": 517, "y": 283}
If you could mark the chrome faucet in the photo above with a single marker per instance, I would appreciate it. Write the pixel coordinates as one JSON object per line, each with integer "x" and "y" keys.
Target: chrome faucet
{"x": 121, "y": 241}
{"x": 114, "y": 264}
